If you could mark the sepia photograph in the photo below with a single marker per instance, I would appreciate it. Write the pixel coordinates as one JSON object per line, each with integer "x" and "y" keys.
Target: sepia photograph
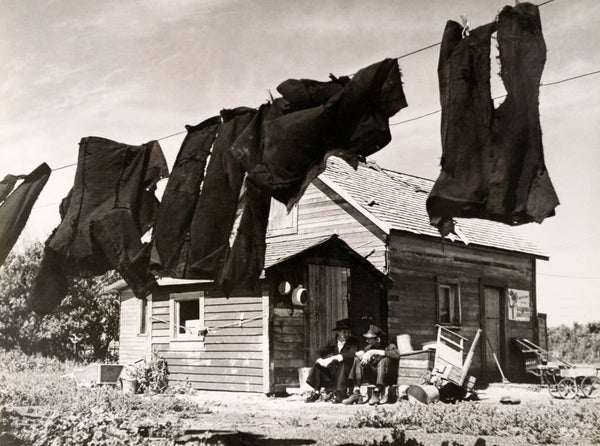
{"x": 310, "y": 222}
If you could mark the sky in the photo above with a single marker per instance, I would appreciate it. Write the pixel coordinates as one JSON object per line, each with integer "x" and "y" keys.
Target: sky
{"x": 134, "y": 71}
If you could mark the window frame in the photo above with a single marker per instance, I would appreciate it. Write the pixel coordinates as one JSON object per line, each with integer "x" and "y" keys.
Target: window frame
{"x": 455, "y": 317}
{"x": 180, "y": 340}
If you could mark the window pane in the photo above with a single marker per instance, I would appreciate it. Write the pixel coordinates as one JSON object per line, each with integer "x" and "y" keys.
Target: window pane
{"x": 189, "y": 310}
{"x": 444, "y": 304}
{"x": 454, "y": 306}
{"x": 143, "y": 308}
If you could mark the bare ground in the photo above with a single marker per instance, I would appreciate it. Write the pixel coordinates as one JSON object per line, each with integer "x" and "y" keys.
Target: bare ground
{"x": 256, "y": 419}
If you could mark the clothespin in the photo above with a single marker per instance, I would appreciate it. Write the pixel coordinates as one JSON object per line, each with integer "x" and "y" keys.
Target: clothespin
{"x": 465, "y": 24}
{"x": 241, "y": 319}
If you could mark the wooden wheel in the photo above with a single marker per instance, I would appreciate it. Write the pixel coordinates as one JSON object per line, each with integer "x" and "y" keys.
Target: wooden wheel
{"x": 567, "y": 388}
{"x": 426, "y": 378}
{"x": 553, "y": 389}
{"x": 590, "y": 386}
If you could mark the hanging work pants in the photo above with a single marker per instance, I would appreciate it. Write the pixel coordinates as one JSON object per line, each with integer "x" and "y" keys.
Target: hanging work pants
{"x": 492, "y": 159}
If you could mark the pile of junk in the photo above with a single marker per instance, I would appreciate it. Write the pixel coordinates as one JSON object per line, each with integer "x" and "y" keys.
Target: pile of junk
{"x": 438, "y": 372}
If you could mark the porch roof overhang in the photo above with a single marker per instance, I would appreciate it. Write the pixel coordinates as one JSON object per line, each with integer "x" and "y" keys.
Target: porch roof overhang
{"x": 299, "y": 248}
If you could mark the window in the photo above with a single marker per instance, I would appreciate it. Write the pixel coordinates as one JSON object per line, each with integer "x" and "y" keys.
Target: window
{"x": 187, "y": 318}
{"x": 448, "y": 303}
{"x": 143, "y": 316}
{"x": 280, "y": 221}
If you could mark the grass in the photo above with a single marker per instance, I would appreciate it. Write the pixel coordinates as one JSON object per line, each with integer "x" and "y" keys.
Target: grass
{"x": 555, "y": 422}
{"x": 39, "y": 405}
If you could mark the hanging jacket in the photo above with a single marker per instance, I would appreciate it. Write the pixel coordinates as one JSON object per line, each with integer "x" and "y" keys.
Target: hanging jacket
{"x": 110, "y": 206}
{"x": 16, "y": 207}
{"x": 492, "y": 159}
{"x": 347, "y": 118}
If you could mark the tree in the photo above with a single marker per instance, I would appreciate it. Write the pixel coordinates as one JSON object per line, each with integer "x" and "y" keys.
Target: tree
{"x": 82, "y": 326}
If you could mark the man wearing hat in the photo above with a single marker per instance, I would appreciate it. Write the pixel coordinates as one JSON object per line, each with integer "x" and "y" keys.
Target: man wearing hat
{"x": 375, "y": 364}
{"x": 332, "y": 367}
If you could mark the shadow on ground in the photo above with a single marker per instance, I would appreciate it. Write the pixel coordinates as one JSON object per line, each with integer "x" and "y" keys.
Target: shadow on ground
{"x": 237, "y": 438}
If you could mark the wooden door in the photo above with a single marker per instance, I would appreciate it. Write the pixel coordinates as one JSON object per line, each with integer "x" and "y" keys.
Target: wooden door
{"x": 494, "y": 332}
{"x": 328, "y": 302}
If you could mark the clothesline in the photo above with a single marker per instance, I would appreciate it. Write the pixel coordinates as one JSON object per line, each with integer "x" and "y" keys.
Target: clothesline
{"x": 391, "y": 124}
{"x": 239, "y": 323}
{"x": 397, "y": 123}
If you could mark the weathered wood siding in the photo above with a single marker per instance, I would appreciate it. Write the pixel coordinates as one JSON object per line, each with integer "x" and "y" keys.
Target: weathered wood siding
{"x": 232, "y": 357}
{"x": 414, "y": 265}
{"x": 542, "y": 330}
{"x": 132, "y": 346}
{"x": 322, "y": 212}
{"x": 288, "y": 347}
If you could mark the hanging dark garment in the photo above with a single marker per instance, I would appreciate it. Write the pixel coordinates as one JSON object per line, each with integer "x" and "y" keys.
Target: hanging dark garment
{"x": 214, "y": 215}
{"x": 246, "y": 259}
{"x": 105, "y": 214}
{"x": 16, "y": 208}
{"x": 344, "y": 117}
{"x": 492, "y": 159}
{"x": 8, "y": 184}
{"x": 171, "y": 230}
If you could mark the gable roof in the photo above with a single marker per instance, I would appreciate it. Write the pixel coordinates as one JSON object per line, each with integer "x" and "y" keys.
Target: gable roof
{"x": 396, "y": 201}
{"x": 329, "y": 242}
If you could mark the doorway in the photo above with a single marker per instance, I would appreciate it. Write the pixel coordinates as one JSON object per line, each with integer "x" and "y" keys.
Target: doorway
{"x": 494, "y": 331}
{"x": 328, "y": 288}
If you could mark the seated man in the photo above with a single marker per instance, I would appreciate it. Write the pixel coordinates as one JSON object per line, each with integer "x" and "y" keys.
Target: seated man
{"x": 332, "y": 367}
{"x": 375, "y": 364}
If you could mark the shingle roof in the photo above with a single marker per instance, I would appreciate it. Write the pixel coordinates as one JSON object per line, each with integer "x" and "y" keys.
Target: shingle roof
{"x": 399, "y": 199}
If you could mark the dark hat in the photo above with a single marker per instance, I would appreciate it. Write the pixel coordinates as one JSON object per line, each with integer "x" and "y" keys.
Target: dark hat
{"x": 342, "y": 324}
{"x": 374, "y": 332}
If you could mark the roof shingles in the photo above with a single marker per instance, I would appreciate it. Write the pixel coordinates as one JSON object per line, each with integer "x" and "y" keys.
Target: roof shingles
{"x": 399, "y": 199}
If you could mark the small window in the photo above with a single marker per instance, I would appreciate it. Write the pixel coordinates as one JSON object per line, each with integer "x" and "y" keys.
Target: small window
{"x": 187, "y": 316}
{"x": 143, "y": 316}
{"x": 448, "y": 303}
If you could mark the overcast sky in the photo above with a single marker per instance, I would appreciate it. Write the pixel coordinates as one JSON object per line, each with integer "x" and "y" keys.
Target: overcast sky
{"x": 133, "y": 71}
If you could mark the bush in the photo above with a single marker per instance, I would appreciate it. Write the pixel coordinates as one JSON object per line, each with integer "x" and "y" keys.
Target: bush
{"x": 578, "y": 344}
{"x": 152, "y": 375}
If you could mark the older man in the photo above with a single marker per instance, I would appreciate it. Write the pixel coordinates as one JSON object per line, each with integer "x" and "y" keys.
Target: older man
{"x": 332, "y": 367}
{"x": 376, "y": 364}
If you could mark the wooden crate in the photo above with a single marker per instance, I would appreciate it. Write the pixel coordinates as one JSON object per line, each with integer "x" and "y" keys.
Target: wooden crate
{"x": 414, "y": 365}
{"x": 98, "y": 374}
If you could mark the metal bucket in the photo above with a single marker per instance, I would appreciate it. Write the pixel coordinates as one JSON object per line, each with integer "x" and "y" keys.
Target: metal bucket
{"x": 129, "y": 385}
{"x": 424, "y": 394}
{"x": 302, "y": 376}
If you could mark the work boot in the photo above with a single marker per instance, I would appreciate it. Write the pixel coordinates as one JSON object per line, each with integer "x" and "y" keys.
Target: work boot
{"x": 326, "y": 396}
{"x": 374, "y": 400}
{"x": 354, "y": 398}
{"x": 314, "y": 396}
{"x": 338, "y": 397}
{"x": 387, "y": 398}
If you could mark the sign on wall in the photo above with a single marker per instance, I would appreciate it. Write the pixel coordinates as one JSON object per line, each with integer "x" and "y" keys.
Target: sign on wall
{"x": 519, "y": 305}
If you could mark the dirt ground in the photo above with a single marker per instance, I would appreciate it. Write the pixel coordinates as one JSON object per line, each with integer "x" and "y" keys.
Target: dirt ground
{"x": 261, "y": 420}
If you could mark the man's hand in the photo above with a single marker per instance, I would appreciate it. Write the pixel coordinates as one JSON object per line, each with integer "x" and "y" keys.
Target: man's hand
{"x": 325, "y": 362}
{"x": 366, "y": 357}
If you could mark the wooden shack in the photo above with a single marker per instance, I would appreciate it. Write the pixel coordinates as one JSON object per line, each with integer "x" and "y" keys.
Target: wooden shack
{"x": 359, "y": 245}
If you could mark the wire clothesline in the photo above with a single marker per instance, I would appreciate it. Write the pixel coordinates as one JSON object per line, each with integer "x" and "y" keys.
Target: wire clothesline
{"x": 394, "y": 123}
{"x": 240, "y": 323}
